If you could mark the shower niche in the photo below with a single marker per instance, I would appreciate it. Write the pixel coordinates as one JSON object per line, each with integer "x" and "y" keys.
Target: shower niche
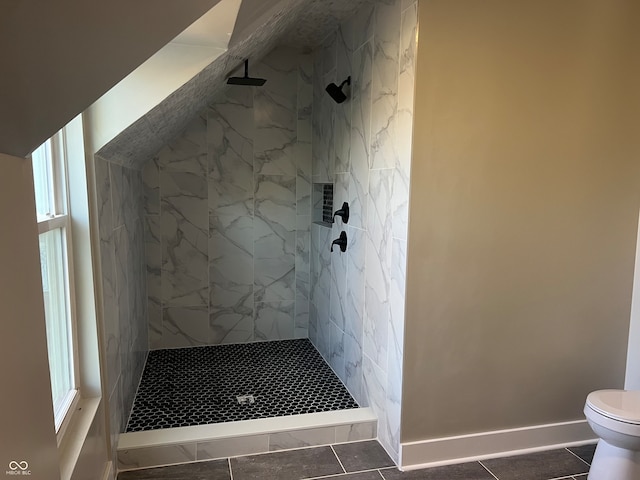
{"x": 322, "y": 199}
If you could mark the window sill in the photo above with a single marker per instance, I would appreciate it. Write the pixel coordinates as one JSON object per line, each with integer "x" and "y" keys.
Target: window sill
{"x": 76, "y": 434}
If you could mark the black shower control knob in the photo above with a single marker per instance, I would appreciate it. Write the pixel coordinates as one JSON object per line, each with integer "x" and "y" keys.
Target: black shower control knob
{"x": 341, "y": 241}
{"x": 343, "y": 212}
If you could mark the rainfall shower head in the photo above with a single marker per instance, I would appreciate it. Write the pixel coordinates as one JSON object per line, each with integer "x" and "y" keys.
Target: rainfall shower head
{"x": 246, "y": 80}
{"x": 336, "y": 91}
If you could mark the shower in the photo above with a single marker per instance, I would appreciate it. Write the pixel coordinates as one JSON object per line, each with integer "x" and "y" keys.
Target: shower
{"x": 230, "y": 335}
{"x": 231, "y": 253}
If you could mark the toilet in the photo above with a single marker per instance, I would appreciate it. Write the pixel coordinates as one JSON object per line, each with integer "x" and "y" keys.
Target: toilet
{"x": 614, "y": 415}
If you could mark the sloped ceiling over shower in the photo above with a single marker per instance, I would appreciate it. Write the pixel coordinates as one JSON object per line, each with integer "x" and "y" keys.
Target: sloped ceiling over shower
{"x": 59, "y": 56}
{"x": 162, "y": 74}
{"x": 261, "y": 25}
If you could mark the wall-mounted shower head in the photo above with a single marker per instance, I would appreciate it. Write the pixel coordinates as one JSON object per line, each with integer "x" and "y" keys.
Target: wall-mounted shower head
{"x": 246, "y": 80}
{"x": 336, "y": 91}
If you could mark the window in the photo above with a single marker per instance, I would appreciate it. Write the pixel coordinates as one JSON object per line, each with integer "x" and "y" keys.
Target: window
{"x": 54, "y": 226}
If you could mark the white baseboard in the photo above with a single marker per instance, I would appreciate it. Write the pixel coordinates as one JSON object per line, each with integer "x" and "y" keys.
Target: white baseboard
{"x": 499, "y": 443}
{"x": 108, "y": 472}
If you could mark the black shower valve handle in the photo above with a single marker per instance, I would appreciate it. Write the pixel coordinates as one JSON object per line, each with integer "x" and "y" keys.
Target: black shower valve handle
{"x": 341, "y": 241}
{"x": 343, "y": 212}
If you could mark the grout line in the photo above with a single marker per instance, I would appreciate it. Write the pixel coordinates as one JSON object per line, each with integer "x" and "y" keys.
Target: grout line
{"x": 230, "y": 471}
{"x": 579, "y": 457}
{"x": 334, "y": 452}
{"x": 382, "y": 474}
{"x": 341, "y": 475}
{"x": 565, "y": 477}
{"x": 490, "y": 472}
{"x": 268, "y": 452}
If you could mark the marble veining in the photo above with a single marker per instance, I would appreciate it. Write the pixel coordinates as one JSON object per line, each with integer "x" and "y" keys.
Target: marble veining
{"x": 305, "y": 98}
{"x": 274, "y": 320}
{"x": 344, "y": 69}
{"x": 338, "y": 287}
{"x": 179, "y": 140}
{"x": 276, "y": 115}
{"x": 353, "y": 369}
{"x": 230, "y": 134}
{"x": 274, "y": 234}
{"x": 301, "y": 23}
{"x": 303, "y": 273}
{"x": 360, "y": 135}
{"x": 184, "y": 239}
{"x": 355, "y": 284}
{"x": 151, "y": 185}
{"x": 227, "y": 213}
{"x": 336, "y": 350}
{"x": 185, "y": 327}
{"x": 122, "y": 264}
{"x": 384, "y": 96}
{"x": 362, "y": 25}
{"x": 379, "y": 213}
{"x": 329, "y": 53}
{"x": 230, "y": 252}
{"x": 303, "y": 179}
{"x": 377, "y": 308}
{"x": 187, "y": 153}
{"x": 364, "y": 148}
{"x": 231, "y": 279}
{"x": 275, "y": 139}
{"x": 120, "y": 194}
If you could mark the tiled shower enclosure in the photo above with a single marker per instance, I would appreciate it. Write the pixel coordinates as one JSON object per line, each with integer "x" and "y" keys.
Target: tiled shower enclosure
{"x": 222, "y": 217}
{"x": 227, "y": 216}
{"x": 363, "y": 148}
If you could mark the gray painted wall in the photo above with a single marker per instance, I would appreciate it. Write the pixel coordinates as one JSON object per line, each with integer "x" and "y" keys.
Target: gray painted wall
{"x": 28, "y": 430}
{"x": 227, "y": 215}
{"x": 363, "y": 148}
{"x": 523, "y": 212}
{"x": 62, "y": 60}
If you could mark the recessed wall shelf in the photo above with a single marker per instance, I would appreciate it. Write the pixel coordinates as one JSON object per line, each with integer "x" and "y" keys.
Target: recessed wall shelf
{"x": 322, "y": 197}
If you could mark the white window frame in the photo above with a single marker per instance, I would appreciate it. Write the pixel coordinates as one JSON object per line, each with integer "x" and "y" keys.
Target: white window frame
{"x": 61, "y": 220}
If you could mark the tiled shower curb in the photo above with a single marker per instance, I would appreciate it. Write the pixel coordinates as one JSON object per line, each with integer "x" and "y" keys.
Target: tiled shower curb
{"x": 171, "y": 446}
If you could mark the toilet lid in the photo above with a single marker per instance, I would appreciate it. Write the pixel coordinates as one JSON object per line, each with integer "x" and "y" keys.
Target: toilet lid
{"x": 620, "y": 405}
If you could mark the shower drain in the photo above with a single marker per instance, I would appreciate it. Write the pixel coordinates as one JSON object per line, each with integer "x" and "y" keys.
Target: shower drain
{"x": 246, "y": 399}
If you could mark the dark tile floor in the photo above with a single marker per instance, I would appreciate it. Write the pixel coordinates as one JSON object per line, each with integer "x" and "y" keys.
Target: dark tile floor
{"x": 369, "y": 461}
{"x": 226, "y": 383}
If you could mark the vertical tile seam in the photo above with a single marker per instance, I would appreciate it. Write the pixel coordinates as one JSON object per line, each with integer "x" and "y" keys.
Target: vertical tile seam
{"x": 253, "y": 217}
{"x": 338, "y": 458}
{"x": 230, "y": 469}
{"x": 577, "y": 456}
{"x": 209, "y": 253}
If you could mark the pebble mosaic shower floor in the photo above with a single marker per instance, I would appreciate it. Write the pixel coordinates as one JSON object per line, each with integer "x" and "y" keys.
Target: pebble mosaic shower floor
{"x": 226, "y": 383}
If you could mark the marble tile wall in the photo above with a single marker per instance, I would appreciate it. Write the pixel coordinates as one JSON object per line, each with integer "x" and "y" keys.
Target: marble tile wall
{"x": 363, "y": 147}
{"x": 228, "y": 212}
{"x": 124, "y": 286}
